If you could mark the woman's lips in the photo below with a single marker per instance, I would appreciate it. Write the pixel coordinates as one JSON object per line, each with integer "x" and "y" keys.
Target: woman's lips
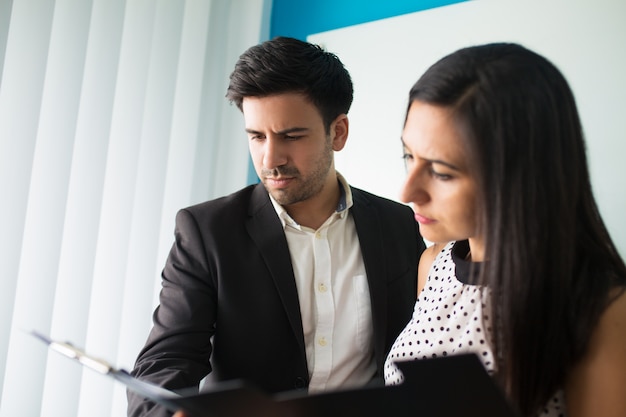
{"x": 423, "y": 219}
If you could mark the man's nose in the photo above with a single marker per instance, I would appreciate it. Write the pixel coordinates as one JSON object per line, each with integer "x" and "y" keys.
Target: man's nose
{"x": 274, "y": 153}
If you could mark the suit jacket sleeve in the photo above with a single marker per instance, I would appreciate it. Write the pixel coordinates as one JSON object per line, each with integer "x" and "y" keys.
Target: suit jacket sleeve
{"x": 178, "y": 349}
{"x": 228, "y": 304}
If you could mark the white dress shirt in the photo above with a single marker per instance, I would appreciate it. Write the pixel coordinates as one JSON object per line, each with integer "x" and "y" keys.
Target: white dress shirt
{"x": 334, "y": 297}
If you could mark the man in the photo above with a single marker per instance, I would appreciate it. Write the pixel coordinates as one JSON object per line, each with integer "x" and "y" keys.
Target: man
{"x": 300, "y": 282}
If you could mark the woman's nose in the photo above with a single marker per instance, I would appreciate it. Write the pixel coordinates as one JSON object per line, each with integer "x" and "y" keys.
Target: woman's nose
{"x": 414, "y": 188}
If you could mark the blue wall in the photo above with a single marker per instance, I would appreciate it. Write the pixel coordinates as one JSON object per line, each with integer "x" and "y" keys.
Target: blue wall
{"x": 300, "y": 18}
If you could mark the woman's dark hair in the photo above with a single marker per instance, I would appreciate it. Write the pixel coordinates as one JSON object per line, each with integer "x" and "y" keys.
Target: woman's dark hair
{"x": 550, "y": 262}
{"x": 287, "y": 65}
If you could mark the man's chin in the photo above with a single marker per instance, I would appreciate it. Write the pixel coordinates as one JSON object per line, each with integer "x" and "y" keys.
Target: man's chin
{"x": 280, "y": 196}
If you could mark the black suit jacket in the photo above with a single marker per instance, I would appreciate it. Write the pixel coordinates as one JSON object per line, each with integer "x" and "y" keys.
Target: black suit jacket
{"x": 229, "y": 304}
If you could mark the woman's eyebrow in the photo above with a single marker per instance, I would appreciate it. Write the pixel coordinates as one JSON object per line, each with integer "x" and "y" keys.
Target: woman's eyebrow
{"x": 434, "y": 161}
{"x": 439, "y": 161}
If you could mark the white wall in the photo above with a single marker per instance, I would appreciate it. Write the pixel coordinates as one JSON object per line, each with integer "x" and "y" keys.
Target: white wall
{"x": 112, "y": 117}
{"x": 586, "y": 40}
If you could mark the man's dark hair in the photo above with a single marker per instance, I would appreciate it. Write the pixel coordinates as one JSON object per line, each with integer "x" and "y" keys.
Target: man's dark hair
{"x": 287, "y": 65}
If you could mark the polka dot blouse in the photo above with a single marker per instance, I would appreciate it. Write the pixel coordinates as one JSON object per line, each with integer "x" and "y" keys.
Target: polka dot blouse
{"x": 451, "y": 317}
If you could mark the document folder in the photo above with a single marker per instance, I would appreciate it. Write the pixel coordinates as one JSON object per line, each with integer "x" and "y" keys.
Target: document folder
{"x": 452, "y": 386}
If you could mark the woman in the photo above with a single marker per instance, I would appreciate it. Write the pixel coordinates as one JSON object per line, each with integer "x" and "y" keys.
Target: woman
{"x": 530, "y": 280}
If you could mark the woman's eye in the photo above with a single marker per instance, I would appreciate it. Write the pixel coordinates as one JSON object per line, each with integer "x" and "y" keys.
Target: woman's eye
{"x": 408, "y": 160}
{"x": 440, "y": 175}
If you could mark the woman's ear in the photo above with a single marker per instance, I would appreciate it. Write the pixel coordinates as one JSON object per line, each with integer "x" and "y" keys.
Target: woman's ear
{"x": 339, "y": 132}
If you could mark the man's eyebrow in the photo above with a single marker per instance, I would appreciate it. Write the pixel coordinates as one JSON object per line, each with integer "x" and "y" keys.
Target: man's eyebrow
{"x": 435, "y": 161}
{"x": 293, "y": 130}
{"x": 284, "y": 131}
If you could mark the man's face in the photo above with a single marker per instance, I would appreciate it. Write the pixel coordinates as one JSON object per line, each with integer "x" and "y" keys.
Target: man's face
{"x": 291, "y": 152}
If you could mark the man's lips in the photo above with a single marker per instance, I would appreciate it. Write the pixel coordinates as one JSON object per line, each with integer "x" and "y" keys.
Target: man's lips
{"x": 278, "y": 182}
{"x": 423, "y": 219}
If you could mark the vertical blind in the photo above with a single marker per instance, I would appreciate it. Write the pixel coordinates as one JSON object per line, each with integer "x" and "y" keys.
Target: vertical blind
{"x": 112, "y": 117}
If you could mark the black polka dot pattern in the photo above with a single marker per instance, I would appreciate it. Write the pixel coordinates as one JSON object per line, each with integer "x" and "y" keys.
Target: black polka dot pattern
{"x": 449, "y": 318}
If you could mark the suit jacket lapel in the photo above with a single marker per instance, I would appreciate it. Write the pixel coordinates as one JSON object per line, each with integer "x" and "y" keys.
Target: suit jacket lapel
{"x": 267, "y": 232}
{"x": 367, "y": 222}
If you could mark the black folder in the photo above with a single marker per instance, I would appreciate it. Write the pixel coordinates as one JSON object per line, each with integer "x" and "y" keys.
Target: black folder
{"x": 452, "y": 386}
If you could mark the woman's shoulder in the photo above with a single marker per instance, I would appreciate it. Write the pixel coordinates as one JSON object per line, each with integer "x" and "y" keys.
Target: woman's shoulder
{"x": 612, "y": 323}
{"x": 613, "y": 319}
{"x": 429, "y": 255}
{"x": 595, "y": 385}
{"x": 426, "y": 261}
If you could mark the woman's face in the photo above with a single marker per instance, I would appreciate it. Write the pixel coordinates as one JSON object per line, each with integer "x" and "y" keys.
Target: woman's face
{"x": 439, "y": 185}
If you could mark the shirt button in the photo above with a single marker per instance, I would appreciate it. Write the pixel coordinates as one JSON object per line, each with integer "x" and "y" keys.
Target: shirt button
{"x": 322, "y": 341}
{"x": 318, "y": 235}
{"x": 322, "y": 287}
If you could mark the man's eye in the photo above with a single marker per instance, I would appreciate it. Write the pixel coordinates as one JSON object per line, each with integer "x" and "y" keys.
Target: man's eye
{"x": 291, "y": 137}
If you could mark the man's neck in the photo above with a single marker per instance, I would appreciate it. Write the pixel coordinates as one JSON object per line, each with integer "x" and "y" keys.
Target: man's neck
{"x": 315, "y": 211}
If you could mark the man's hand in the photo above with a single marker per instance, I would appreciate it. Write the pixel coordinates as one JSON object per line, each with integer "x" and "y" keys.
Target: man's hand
{"x": 180, "y": 414}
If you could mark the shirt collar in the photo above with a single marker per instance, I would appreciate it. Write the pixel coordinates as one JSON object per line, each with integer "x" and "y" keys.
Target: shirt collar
{"x": 345, "y": 203}
{"x": 467, "y": 272}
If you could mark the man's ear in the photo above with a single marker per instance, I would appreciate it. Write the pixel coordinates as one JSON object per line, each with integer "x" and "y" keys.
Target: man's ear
{"x": 339, "y": 132}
